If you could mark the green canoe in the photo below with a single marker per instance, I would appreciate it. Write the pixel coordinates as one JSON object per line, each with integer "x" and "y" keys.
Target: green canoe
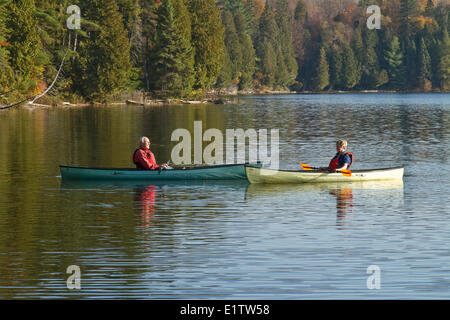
{"x": 213, "y": 172}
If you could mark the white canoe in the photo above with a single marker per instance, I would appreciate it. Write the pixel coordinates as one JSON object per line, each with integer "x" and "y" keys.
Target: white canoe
{"x": 260, "y": 175}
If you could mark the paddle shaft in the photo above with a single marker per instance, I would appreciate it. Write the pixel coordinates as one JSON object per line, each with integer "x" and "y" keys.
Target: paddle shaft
{"x": 345, "y": 172}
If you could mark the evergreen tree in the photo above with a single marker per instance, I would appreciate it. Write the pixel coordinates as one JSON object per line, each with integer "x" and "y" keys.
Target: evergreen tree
{"x": 433, "y": 50}
{"x": 288, "y": 61}
{"x": 308, "y": 64}
{"x": 183, "y": 24}
{"x": 444, "y": 62}
{"x": 370, "y": 71}
{"x": 267, "y": 46}
{"x": 358, "y": 45}
{"x": 123, "y": 37}
{"x": 247, "y": 9}
{"x": 207, "y": 41}
{"x": 423, "y": 65}
{"x": 104, "y": 63}
{"x": 232, "y": 45}
{"x": 127, "y": 9}
{"x": 6, "y": 75}
{"x": 408, "y": 11}
{"x": 360, "y": 50}
{"x": 135, "y": 27}
{"x": 57, "y": 42}
{"x": 322, "y": 78}
{"x": 233, "y": 5}
{"x": 251, "y": 20}
{"x": 268, "y": 63}
{"x": 350, "y": 77}
{"x": 300, "y": 13}
{"x": 394, "y": 59}
{"x": 149, "y": 22}
{"x": 24, "y": 43}
{"x": 335, "y": 58}
{"x": 379, "y": 78}
{"x": 225, "y": 78}
{"x": 281, "y": 70}
{"x": 429, "y": 8}
{"x": 410, "y": 59}
{"x": 248, "y": 52}
{"x": 173, "y": 58}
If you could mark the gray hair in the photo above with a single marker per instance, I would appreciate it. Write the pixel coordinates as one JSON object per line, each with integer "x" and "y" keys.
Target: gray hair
{"x": 143, "y": 139}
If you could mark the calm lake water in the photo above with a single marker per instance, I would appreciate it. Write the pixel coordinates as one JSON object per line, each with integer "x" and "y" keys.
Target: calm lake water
{"x": 228, "y": 240}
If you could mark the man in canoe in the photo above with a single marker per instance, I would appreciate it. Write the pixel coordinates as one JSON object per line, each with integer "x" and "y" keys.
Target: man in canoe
{"x": 342, "y": 160}
{"x": 144, "y": 159}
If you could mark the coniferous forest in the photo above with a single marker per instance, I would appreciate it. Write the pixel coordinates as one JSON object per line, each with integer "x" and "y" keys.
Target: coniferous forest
{"x": 186, "y": 48}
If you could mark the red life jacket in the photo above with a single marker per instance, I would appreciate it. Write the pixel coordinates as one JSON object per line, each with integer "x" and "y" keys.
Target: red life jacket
{"x": 335, "y": 161}
{"x": 135, "y": 161}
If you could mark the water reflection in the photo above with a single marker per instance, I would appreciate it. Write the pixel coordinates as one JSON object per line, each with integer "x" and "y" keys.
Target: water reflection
{"x": 158, "y": 197}
{"x": 207, "y": 240}
{"x": 311, "y": 196}
{"x": 186, "y": 186}
{"x": 344, "y": 203}
{"x": 145, "y": 197}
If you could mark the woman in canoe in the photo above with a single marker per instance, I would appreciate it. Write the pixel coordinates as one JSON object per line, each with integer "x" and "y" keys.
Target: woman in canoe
{"x": 144, "y": 159}
{"x": 342, "y": 160}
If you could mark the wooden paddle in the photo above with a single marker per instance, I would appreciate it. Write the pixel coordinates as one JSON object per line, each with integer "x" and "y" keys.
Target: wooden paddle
{"x": 345, "y": 172}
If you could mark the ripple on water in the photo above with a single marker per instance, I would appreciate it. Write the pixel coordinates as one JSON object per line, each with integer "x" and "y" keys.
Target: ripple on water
{"x": 229, "y": 240}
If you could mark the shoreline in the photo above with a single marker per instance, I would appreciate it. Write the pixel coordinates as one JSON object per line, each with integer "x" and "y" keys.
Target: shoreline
{"x": 214, "y": 98}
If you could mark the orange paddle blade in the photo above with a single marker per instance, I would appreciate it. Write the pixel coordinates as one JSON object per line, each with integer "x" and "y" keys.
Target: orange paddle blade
{"x": 346, "y": 172}
{"x": 306, "y": 167}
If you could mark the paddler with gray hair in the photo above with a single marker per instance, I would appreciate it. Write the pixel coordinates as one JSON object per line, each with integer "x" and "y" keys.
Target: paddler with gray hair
{"x": 144, "y": 159}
